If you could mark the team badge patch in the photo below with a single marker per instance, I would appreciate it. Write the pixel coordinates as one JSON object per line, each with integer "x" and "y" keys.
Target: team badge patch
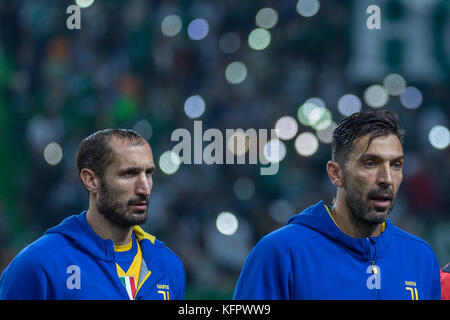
{"x": 163, "y": 289}
{"x": 411, "y": 286}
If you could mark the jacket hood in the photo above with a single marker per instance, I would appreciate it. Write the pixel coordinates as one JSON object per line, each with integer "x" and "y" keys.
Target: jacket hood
{"x": 318, "y": 217}
{"x": 77, "y": 230}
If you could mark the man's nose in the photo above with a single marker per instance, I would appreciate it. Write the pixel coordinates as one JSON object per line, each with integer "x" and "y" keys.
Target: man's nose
{"x": 144, "y": 184}
{"x": 385, "y": 175}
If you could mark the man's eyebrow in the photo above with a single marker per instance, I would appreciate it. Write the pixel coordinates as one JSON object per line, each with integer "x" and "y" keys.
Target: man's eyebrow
{"x": 377, "y": 157}
{"x": 137, "y": 169}
{"x": 402, "y": 157}
{"x": 129, "y": 169}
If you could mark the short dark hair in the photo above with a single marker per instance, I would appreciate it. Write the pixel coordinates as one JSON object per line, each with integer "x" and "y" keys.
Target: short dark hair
{"x": 374, "y": 122}
{"x": 95, "y": 153}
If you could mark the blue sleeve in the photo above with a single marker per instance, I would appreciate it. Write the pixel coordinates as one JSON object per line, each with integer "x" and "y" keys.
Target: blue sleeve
{"x": 23, "y": 279}
{"x": 266, "y": 274}
{"x": 436, "y": 281}
{"x": 177, "y": 275}
{"x": 181, "y": 283}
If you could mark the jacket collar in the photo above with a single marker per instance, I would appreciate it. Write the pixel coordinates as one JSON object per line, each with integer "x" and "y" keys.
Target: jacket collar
{"x": 317, "y": 217}
{"x": 79, "y": 232}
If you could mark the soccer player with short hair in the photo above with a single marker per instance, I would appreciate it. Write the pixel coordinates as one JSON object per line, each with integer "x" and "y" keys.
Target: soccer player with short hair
{"x": 349, "y": 250}
{"x": 101, "y": 253}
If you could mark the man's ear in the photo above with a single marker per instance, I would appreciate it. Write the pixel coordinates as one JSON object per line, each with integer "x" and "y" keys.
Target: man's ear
{"x": 90, "y": 180}
{"x": 335, "y": 173}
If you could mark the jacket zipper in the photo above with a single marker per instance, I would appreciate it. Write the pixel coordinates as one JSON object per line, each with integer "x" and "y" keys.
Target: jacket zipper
{"x": 372, "y": 259}
{"x": 374, "y": 268}
{"x": 123, "y": 290}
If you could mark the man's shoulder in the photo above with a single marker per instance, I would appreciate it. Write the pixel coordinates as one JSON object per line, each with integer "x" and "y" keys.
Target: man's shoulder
{"x": 167, "y": 252}
{"x": 287, "y": 237}
{"x": 156, "y": 247}
{"x": 31, "y": 265}
{"x": 412, "y": 241}
{"x": 42, "y": 250}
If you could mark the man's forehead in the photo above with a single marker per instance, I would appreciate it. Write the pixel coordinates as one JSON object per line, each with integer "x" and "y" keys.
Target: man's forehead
{"x": 388, "y": 145}
{"x": 126, "y": 152}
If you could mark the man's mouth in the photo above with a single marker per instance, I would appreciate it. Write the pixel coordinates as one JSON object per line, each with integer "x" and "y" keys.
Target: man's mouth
{"x": 383, "y": 201}
{"x": 140, "y": 205}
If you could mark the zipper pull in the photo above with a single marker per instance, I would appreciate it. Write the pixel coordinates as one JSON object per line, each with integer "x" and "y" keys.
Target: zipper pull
{"x": 374, "y": 268}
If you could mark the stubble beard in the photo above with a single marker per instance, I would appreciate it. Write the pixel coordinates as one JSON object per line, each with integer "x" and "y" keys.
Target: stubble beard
{"x": 359, "y": 204}
{"x": 117, "y": 212}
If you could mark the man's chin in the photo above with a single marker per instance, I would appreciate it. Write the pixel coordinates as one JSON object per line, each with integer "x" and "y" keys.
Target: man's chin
{"x": 378, "y": 215}
{"x": 128, "y": 219}
{"x": 138, "y": 217}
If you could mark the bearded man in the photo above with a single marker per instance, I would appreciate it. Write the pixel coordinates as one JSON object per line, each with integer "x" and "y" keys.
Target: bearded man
{"x": 349, "y": 250}
{"x": 102, "y": 253}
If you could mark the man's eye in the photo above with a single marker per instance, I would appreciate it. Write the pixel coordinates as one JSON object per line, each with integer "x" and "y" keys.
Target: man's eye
{"x": 397, "y": 165}
{"x": 369, "y": 164}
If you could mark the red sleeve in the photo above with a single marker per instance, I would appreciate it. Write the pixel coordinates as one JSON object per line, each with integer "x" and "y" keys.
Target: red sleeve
{"x": 445, "y": 282}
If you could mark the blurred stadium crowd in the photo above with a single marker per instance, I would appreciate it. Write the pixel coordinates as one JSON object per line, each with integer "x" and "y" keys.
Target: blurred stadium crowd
{"x": 134, "y": 64}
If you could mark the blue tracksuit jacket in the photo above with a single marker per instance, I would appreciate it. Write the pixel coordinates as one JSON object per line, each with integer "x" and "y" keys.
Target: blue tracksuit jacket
{"x": 310, "y": 258}
{"x": 70, "y": 261}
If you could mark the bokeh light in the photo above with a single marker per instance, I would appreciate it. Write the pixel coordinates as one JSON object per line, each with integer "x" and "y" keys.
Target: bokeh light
{"x": 395, "y": 84}
{"x": 314, "y": 113}
{"x": 274, "y": 150}
{"x": 227, "y": 223}
{"x": 411, "y": 98}
{"x": 308, "y": 112}
{"x": 171, "y": 25}
{"x": 349, "y": 104}
{"x": 307, "y": 8}
{"x": 304, "y": 111}
{"x": 320, "y": 118}
{"x": 194, "y": 106}
{"x": 244, "y": 188}
{"x": 238, "y": 143}
{"x": 169, "y": 162}
{"x": 317, "y": 101}
{"x": 198, "y": 29}
{"x": 266, "y": 18}
{"x": 326, "y": 135}
{"x": 144, "y": 128}
{"x": 287, "y": 127}
{"x": 306, "y": 144}
{"x": 84, "y": 3}
{"x": 230, "y": 42}
{"x": 281, "y": 210}
{"x": 53, "y": 153}
{"x": 259, "y": 39}
{"x": 236, "y": 72}
{"x": 376, "y": 96}
{"x": 439, "y": 137}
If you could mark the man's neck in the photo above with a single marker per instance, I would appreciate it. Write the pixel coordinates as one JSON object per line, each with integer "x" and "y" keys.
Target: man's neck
{"x": 351, "y": 226}
{"x": 106, "y": 230}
